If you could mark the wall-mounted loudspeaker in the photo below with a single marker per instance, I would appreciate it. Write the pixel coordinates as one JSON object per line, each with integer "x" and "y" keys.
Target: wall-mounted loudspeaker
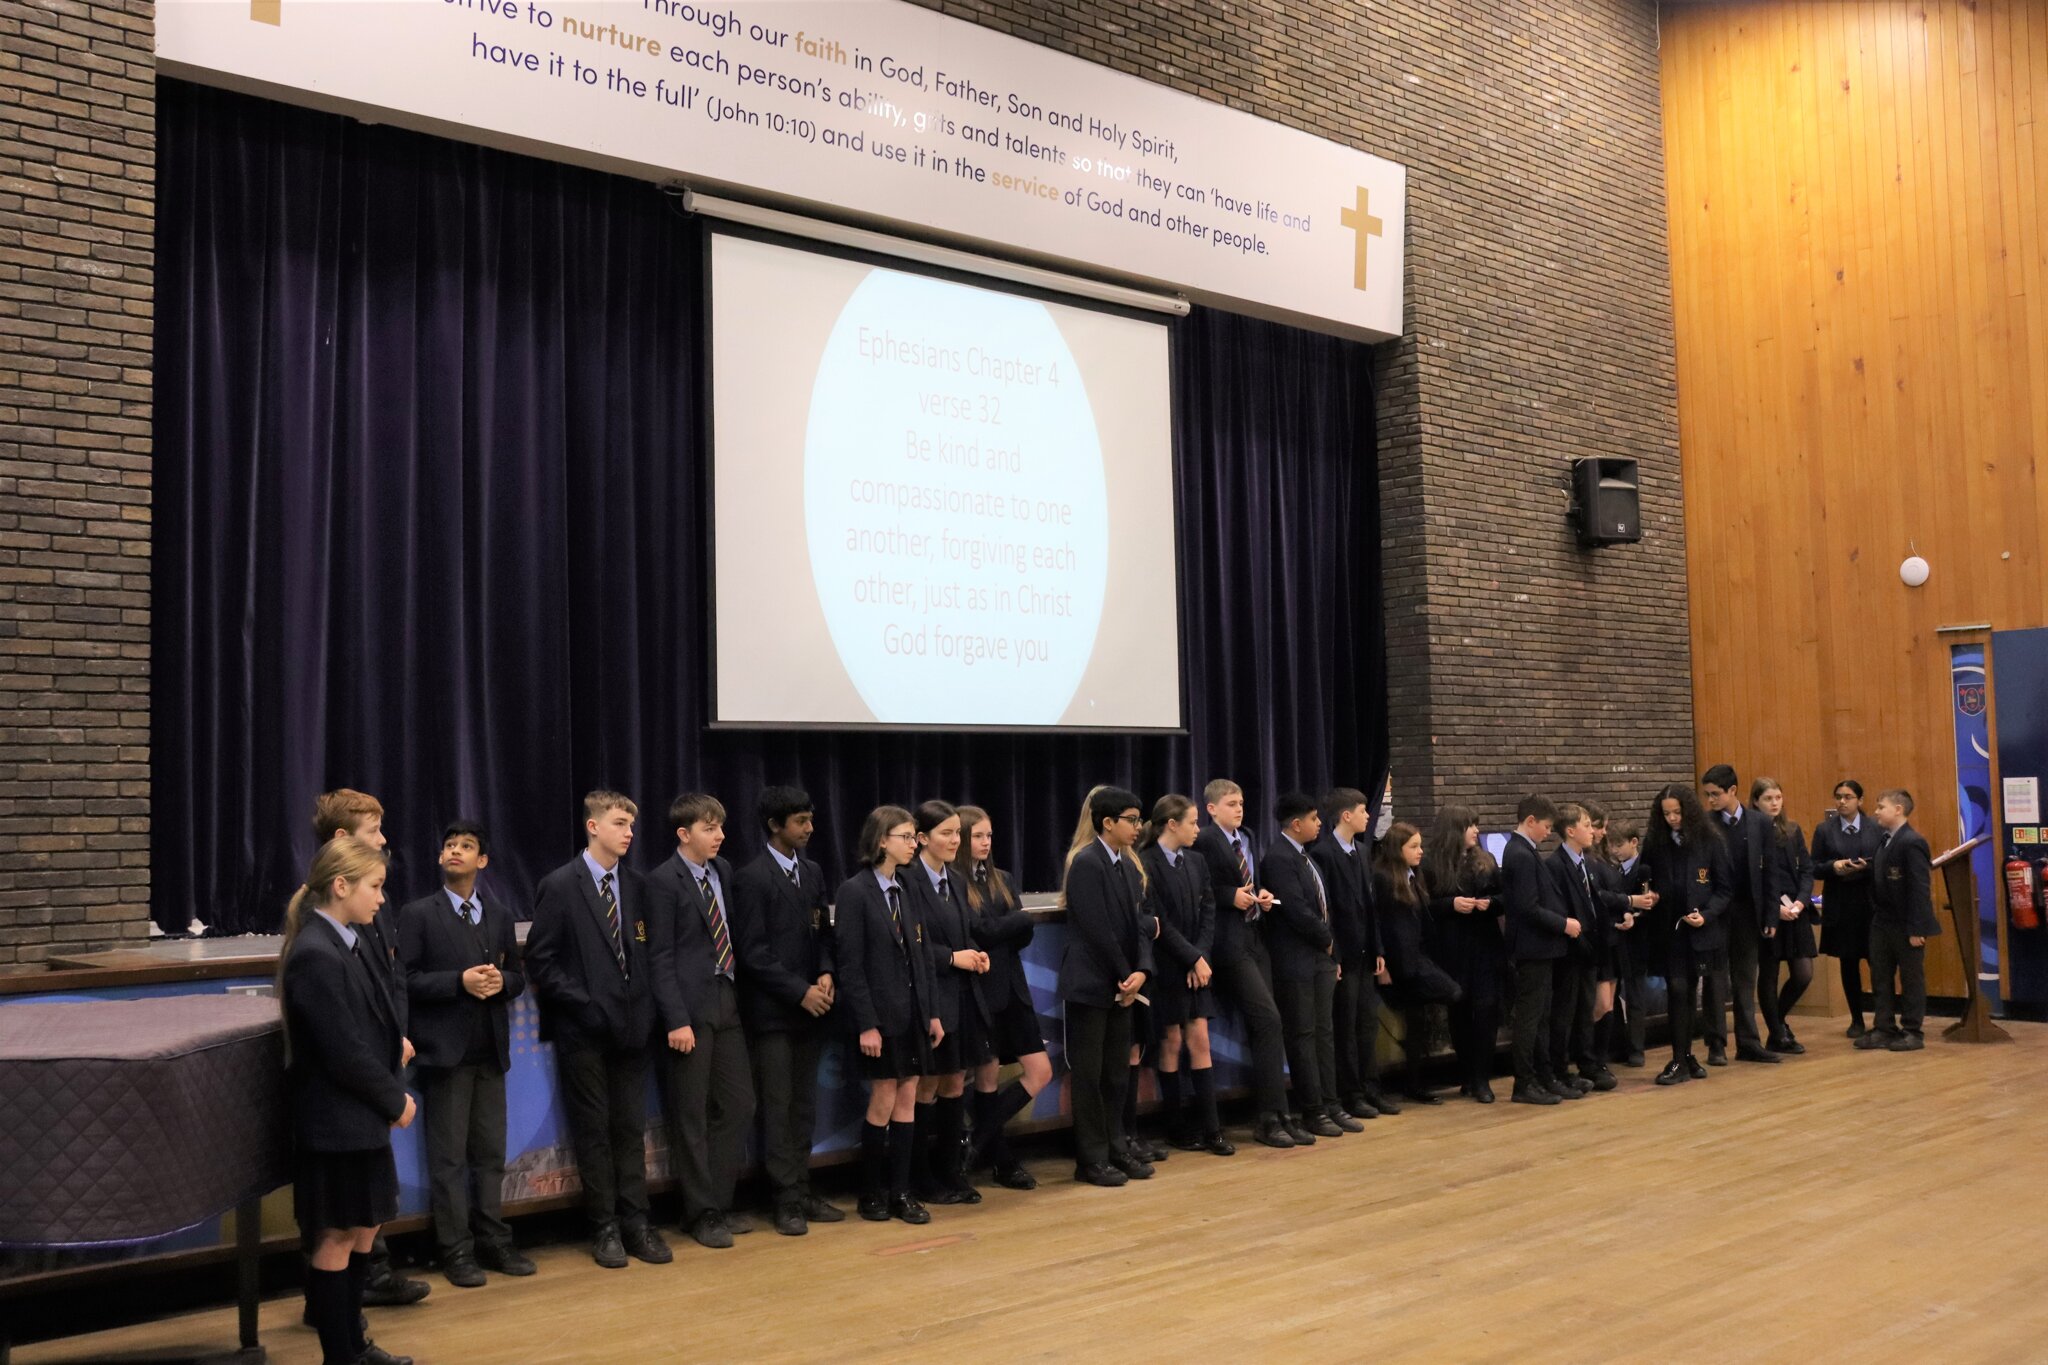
{"x": 1604, "y": 503}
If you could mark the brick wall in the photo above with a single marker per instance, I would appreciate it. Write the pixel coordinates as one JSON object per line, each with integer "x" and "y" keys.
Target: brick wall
{"x": 77, "y": 205}
{"x": 1539, "y": 329}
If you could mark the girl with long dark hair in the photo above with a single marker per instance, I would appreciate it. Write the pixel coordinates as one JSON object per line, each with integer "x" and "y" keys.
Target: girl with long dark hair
{"x": 1465, "y": 919}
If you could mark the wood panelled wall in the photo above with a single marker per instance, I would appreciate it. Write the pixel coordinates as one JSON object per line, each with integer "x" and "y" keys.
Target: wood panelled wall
{"x": 1859, "y": 264}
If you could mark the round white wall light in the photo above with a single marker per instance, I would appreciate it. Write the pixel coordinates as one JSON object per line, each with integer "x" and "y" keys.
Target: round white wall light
{"x": 1913, "y": 572}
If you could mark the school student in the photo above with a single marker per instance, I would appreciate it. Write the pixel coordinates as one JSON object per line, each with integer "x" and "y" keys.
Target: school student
{"x": 885, "y": 993}
{"x": 1901, "y": 922}
{"x": 1538, "y": 935}
{"x": 587, "y": 961}
{"x": 348, "y": 813}
{"x": 1361, "y": 957}
{"x": 1845, "y": 845}
{"x": 462, "y": 970}
{"x": 1633, "y": 947}
{"x": 1788, "y": 897}
{"x": 1304, "y": 954}
{"x": 1107, "y": 965}
{"x": 780, "y": 921}
{"x": 693, "y": 963}
{"x": 1685, "y": 863}
{"x": 1002, "y": 929}
{"x": 1243, "y": 974}
{"x": 958, "y": 968}
{"x": 342, "y": 1052}
{"x": 1178, "y": 896}
{"x": 1466, "y": 909}
{"x": 1572, "y": 980}
{"x": 1748, "y": 928}
{"x": 1618, "y": 907}
{"x": 1400, "y": 891}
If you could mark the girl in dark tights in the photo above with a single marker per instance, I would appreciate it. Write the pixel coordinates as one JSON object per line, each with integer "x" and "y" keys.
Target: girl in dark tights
{"x": 1788, "y": 899}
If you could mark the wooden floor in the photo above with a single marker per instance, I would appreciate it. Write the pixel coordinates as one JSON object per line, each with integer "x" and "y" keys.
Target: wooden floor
{"x": 1841, "y": 1207}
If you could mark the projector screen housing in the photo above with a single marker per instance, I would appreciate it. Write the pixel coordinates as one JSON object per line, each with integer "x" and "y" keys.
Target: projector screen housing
{"x": 938, "y": 502}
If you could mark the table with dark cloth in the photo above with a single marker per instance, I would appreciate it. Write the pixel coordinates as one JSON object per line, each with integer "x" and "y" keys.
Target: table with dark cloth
{"x": 125, "y": 1121}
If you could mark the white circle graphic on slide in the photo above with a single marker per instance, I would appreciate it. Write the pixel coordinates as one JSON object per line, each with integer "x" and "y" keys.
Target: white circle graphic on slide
{"x": 954, "y": 504}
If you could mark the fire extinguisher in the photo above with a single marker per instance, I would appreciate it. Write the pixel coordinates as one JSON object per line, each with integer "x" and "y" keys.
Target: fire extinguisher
{"x": 2019, "y": 891}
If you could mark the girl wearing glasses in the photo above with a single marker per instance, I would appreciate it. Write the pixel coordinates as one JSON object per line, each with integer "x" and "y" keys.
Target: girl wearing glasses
{"x": 885, "y": 981}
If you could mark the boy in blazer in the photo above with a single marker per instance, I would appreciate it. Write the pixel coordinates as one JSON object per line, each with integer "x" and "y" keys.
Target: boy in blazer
{"x": 781, "y": 920}
{"x": 462, "y": 971}
{"x": 1538, "y": 934}
{"x": 1304, "y": 954}
{"x": 1901, "y": 922}
{"x": 1108, "y": 961}
{"x": 1360, "y": 957}
{"x": 1749, "y": 920}
{"x": 1243, "y": 973}
{"x": 586, "y": 958}
{"x": 693, "y": 961}
{"x": 1580, "y": 892}
{"x": 340, "y": 814}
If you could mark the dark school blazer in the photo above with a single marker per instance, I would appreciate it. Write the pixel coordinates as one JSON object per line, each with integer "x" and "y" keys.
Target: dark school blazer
{"x": 585, "y": 1000}
{"x": 437, "y": 946}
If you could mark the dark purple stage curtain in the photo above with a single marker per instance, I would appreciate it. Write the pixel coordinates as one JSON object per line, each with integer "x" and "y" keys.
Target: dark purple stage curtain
{"x": 429, "y": 462}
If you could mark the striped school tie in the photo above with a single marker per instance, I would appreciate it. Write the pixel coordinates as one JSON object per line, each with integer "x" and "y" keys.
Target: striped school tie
{"x": 721, "y": 940}
{"x": 611, "y": 917}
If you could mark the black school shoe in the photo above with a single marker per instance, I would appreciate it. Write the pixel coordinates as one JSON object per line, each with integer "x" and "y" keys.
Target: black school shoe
{"x": 1359, "y": 1107}
{"x": 1108, "y": 1177}
{"x": 373, "y": 1354}
{"x": 1269, "y": 1131}
{"x": 1674, "y": 1074}
{"x": 1694, "y": 1069}
{"x": 463, "y": 1272}
{"x": 1756, "y": 1054}
{"x": 1717, "y": 1056}
{"x": 1906, "y": 1042}
{"x": 1293, "y": 1126}
{"x": 790, "y": 1220}
{"x": 874, "y": 1208}
{"x": 1534, "y": 1094}
{"x": 821, "y": 1210}
{"x": 1601, "y": 1079}
{"x": 909, "y": 1210}
{"x": 607, "y": 1249}
{"x": 393, "y": 1290}
{"x": 644, "y": 1243}
{"x": 1788, "y": 1045}
{"x": 1011, "y": 1176}
{"x": 1344, "y": 1120}
{"x": 503, "y": 1258}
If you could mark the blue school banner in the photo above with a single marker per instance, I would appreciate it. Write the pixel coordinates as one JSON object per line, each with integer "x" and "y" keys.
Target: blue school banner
{"x": 2019, "y": 661}
{"x": 1971, "y": 706}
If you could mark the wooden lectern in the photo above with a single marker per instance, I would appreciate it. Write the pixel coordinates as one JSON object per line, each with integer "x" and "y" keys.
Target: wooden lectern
{"x": 1975, "y": 1026}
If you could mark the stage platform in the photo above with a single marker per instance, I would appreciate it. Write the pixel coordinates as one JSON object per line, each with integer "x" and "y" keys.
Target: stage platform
{"x": 1843, "y": 1206}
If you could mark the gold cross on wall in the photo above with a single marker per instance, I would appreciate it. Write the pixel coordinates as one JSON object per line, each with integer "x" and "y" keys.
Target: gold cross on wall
{"x": 1360, "y": 220}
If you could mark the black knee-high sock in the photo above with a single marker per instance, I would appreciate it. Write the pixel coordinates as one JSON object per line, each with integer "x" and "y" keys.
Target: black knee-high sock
{"x": 922, "y": 1130}
{"x": 360, "y": 1265}
{"x": 1002, "y": 1106}
{"x": 902, "y": 1156}
{"x": 874, "y": 1161}
{"x": 1131, "y": 1105}
{"x": 1171, "y": 1109}
{"x": 332, "y": 1307}
{"x": 1205, "y": 1100}
{"x": 950, "y": 1117}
